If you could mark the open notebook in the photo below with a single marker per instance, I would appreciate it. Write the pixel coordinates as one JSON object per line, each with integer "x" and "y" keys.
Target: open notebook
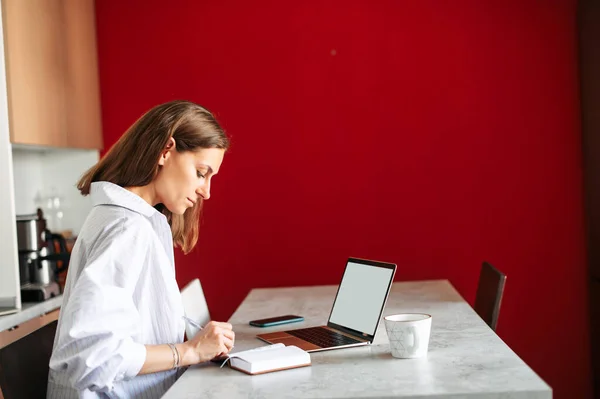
{"x": 268, "y": 358}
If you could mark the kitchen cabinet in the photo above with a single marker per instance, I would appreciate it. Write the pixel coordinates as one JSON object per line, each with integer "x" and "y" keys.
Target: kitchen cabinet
{"x": 52, "y": 73}
{"x": 84, "y": 124}
{"x": 17, "y": 332}
{"x": 9, "y": 336}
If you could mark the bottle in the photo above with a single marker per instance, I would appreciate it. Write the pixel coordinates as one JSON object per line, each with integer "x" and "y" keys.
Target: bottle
{"x": 52, "y": 205}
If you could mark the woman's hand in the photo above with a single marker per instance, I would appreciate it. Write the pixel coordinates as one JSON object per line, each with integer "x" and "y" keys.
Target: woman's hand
{"x": 215, "y": 339}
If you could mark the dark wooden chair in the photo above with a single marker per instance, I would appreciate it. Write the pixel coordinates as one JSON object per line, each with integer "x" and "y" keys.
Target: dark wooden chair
{"x": 24, "y": 364}
{"x": 489, "y": 294}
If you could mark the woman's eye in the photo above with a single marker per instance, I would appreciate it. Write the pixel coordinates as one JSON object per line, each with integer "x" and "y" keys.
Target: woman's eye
{"x": 200, "y": 175}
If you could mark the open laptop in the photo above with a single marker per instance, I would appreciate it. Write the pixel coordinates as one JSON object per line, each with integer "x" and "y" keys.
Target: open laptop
{"x": 355, "y": 314}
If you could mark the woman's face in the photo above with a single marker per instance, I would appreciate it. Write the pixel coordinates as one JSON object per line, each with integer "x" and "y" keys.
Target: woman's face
{"x": 184, "y": 177}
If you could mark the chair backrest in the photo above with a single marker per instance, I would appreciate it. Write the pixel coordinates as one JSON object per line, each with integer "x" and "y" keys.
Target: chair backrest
{"x": 194, "y": 306}
{"x": 24, "y": 364}
{"x": 489, "y": 294}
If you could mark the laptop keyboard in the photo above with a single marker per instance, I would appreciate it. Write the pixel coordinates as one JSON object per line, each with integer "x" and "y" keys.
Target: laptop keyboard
{"x": 323, "y": 337}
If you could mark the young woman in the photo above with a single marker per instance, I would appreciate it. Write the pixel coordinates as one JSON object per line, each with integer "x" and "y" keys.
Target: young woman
{"x": 120, "y": 331}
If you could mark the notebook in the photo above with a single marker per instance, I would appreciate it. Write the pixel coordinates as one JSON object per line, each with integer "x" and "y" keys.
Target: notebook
{"x": 267, "y": 359}
{"x": 355, "y": 314}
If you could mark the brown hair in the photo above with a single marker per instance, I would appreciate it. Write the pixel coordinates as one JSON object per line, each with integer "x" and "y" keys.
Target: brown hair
{"x": 133, "y": 160}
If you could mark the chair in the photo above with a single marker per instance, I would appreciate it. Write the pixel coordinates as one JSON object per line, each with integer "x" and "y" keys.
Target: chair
{"x": 489, "y": 294}
{"x": 24, "y": 364}
{"x": 194, "y": 306}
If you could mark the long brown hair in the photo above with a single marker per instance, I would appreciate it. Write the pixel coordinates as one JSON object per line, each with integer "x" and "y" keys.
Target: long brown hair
{"x": 133, "y": 160}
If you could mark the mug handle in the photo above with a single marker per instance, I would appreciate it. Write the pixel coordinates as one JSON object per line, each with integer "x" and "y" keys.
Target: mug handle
{"x": 416, "y": 341}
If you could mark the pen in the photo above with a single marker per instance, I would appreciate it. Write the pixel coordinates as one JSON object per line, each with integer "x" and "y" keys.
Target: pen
{"x": 192, "y": 322}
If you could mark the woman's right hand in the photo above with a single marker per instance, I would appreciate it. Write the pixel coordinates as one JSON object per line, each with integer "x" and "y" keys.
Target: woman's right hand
{"x": 215, "y": 339}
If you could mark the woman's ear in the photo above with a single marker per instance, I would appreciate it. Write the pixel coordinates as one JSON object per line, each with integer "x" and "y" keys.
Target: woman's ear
{"x": 167, "y": 151}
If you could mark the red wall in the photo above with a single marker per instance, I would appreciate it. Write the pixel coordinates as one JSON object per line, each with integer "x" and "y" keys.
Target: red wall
{"x": 430, "y": 134}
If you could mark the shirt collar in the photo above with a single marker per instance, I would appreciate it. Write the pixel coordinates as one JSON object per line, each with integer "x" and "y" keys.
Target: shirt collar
{"x": 106, "y": 193}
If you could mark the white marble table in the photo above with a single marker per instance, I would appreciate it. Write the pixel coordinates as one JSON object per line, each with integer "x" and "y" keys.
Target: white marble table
{"x": 466, "y": 358}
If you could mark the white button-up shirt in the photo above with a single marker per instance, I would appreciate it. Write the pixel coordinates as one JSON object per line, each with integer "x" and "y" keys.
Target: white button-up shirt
{"x": 120, "y": 294}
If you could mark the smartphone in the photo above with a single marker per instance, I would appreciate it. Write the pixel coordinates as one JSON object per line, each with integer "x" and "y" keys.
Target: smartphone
{"x": 275, "y": 321}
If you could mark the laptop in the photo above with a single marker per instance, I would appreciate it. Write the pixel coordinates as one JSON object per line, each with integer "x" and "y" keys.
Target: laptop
{"x": 356, "y": 311}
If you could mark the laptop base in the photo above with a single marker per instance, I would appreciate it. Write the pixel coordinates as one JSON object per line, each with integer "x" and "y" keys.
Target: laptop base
{"x": 287, "y": 339}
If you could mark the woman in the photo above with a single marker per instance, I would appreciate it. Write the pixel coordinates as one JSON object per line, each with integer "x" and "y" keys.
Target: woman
{"x": 120, "y": 331}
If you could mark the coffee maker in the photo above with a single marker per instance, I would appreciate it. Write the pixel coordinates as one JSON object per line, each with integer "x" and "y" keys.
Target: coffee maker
{"x": 42, "y": 255}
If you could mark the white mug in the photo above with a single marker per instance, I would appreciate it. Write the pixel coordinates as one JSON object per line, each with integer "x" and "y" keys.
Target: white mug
{"x": 408, "y": 334}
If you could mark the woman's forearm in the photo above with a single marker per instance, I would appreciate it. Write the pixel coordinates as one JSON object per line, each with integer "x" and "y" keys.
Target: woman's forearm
{"x": 214, "y": 339}
{"x": 160, "y": 358}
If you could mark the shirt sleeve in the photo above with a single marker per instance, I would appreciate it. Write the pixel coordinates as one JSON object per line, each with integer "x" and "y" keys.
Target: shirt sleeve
{"x": 96, "y": 345}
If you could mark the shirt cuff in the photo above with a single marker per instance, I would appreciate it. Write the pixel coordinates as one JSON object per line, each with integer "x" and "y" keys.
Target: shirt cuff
{"x": 137, "y": 354}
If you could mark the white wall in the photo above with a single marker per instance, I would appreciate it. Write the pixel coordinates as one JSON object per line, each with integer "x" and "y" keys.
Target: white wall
{"x": 27, "y": 175}
{"x": 40, "y": 173}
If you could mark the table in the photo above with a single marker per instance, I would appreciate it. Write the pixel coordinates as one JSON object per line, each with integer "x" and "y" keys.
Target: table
{"x": 465, "y": 359}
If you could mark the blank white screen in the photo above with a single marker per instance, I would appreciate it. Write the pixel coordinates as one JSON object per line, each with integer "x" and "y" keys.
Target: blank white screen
{"x": 360, "y": 298}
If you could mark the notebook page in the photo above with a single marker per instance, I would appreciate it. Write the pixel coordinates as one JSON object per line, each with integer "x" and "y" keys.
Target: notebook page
{"x": 259, "y": 349}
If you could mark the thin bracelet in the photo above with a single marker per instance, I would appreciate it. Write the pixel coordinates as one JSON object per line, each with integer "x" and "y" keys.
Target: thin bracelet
{"x": 176, "y": 358}
{"x": 173, "y": 353}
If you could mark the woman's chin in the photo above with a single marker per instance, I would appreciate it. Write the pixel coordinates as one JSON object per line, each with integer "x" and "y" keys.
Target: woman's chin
{"x": 181, "y": 210}
{"x": 177, "y": 210}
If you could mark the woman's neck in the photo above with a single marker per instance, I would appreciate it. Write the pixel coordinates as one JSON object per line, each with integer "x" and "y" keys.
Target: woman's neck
{"x": 147, "y": 193}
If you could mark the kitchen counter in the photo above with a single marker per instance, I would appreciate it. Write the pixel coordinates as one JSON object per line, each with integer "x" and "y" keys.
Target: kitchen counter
{"x": 29, "y": 310}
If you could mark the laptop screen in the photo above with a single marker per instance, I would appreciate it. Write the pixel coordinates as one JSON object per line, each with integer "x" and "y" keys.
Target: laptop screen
{"x": 361, "y": 296}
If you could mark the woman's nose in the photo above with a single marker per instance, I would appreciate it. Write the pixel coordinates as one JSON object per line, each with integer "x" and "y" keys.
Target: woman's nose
{"x": 204, "y": 190}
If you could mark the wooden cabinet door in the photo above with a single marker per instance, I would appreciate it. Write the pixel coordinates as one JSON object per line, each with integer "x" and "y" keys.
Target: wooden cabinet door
{"x": 35, "y": 68}
{"x": 9, "y": 336}
{"x": 84, "y": 124}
